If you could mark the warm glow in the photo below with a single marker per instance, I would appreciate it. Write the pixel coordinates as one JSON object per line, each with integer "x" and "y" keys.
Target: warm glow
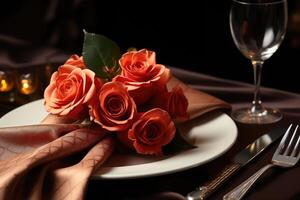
{"x": 5, "y": 85}
{"x": 25, "y": 84}
{"x": 27, "y": 87}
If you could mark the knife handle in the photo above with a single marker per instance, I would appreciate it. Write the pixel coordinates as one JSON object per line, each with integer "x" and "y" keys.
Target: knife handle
{"x": 204, "y": 191}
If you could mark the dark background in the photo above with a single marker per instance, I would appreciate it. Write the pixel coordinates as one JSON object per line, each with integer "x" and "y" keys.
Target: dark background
{"x": 184, "y": 34}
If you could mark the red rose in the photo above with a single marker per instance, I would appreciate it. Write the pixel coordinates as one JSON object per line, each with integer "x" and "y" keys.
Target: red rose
{"x": 69, "y": 90}
{"x": 140, "y": 74}
{"x": 151, "y": 131}
{"x": 113, "y": 108}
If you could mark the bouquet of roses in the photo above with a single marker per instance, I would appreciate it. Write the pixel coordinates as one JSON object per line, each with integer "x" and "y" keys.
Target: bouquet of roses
{"x": 125, "y": 95}
{"x": 129, "y": 97}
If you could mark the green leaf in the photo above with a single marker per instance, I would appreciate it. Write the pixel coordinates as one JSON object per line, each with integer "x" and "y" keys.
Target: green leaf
{"x": 101, "y": 55}
{"x": 177, "y": 144}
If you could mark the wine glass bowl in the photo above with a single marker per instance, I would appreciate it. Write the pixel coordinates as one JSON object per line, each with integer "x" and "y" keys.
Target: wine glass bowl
{"x": 258, "y": 27}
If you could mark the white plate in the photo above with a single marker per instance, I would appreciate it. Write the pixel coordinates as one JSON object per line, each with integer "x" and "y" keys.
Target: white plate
{"x": 213, "y": 136}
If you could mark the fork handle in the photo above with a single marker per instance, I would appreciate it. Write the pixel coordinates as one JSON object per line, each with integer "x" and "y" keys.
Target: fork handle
{"x": 238, "y": 192}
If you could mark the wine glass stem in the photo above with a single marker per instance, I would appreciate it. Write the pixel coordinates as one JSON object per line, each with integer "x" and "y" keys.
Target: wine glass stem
{"x": 257, "y": 108}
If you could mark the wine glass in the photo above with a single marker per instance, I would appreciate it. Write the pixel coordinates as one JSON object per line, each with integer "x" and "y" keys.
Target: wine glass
{"x": 258, "y": 28}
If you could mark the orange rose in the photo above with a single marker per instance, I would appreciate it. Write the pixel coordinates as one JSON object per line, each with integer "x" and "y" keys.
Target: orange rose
{"x": 174, "y": 102}
{"x": 140, "y": 73}
{"x": 159, "y": 99}
{"x": 151, "y": 131}
{"x": 75, "y": 61}
{"x": 113, "y": 108}
{"x": 69, "y": 90}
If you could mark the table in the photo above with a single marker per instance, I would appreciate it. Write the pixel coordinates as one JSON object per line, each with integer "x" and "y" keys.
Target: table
{"x": 276, "y": 183}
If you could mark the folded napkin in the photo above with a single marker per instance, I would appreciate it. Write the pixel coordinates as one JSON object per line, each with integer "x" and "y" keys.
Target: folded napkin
{"x": 54, "y": 160}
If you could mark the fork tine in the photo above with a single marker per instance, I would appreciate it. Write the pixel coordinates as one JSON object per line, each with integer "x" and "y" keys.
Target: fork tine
{"x": 288, "y": 148}
{"x": 296, "y": 148}
{"x": 281, "y": 145}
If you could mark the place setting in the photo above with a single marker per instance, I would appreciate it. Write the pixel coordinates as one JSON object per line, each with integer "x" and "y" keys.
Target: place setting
{"x": 109, "y": 117}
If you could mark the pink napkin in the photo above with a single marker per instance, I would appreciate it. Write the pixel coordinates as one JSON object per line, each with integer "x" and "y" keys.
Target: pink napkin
{"x": 32, "y": 162}
{"x": 55, "y": 159}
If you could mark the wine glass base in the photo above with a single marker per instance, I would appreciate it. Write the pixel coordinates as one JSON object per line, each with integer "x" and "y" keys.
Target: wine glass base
{"x": 268, "y": 116}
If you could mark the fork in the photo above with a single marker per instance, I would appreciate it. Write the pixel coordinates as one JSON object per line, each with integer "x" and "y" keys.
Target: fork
{"x": 284, "y": 156}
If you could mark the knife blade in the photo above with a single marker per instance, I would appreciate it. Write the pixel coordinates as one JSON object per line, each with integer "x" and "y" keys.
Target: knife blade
{"x": 239, "y": 160}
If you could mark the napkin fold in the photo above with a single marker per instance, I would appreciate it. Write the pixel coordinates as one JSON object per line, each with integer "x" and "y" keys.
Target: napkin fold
{"x": 54, "y": 160}
{"x": 200, "y": 103}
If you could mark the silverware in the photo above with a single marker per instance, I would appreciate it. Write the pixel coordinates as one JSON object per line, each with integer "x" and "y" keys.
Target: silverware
{"x": 286, "y": 155}
{"x": 241, "y": 159}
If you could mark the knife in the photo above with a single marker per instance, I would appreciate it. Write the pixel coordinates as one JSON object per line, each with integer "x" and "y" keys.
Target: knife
{"x": 239, "y": 160}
